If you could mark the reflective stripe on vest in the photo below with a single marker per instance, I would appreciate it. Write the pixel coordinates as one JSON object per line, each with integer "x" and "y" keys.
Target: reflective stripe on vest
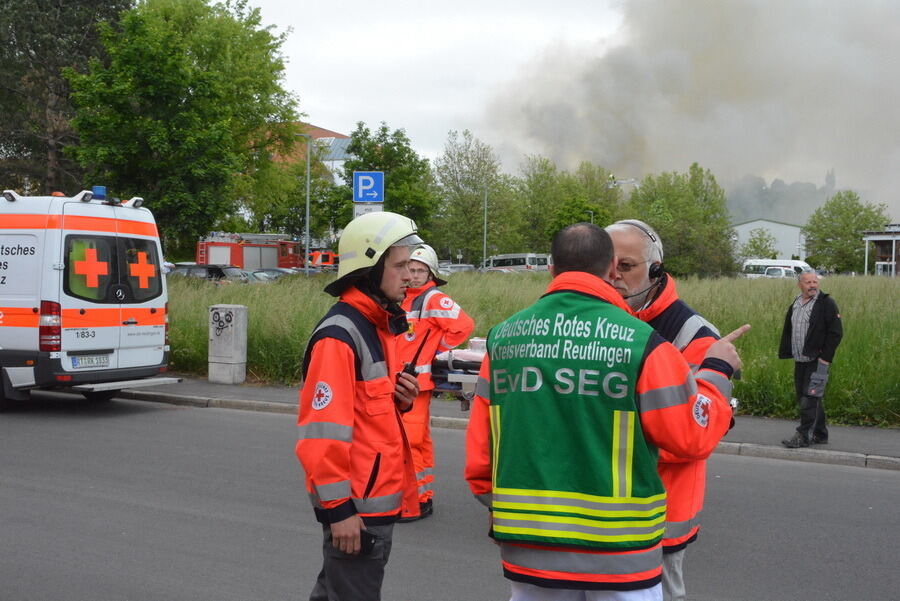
{"x": 560, "y": 560}
{"x": 722, "y": 384}
{"x": 689, "y": 329}
{"x": 669, "y": 396}
{"x": 326, "y": 430}
{"x": 371, "y": 505}
{"x": 679, "y": 529}
{"x": 370, "y": 369}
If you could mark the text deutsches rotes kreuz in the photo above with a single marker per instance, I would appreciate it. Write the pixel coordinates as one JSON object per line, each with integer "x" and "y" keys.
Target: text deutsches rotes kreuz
{"x": 577, "y": 339}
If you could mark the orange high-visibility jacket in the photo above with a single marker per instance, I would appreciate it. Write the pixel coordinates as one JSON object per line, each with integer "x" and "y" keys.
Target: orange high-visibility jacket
{"x": 688, "y": 426}
{"x": 684, "y": 479}
{"x": 429, "y": 309}
{"x": 351, "y": 441}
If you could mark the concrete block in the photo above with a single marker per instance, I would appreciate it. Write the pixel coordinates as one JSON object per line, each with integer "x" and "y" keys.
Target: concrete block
{"x": 227, "y": 373}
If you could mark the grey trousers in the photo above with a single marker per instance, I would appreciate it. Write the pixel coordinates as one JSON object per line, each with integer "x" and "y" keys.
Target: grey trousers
{"x": 673, "y": 576}
{"x": 353, "y": 577}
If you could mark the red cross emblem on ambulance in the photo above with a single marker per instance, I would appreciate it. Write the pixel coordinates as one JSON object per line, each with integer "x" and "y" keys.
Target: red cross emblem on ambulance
{"x": 91, "y": 268}
{"x": 142, "y": 270}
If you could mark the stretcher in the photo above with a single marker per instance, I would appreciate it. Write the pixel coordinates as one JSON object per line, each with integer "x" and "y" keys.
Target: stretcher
{"x": 456, "y": 372}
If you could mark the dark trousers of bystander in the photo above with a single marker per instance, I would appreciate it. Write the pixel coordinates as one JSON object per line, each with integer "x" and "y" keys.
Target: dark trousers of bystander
{"x": 353, "y": 577}
{"x": 812, "y": 409}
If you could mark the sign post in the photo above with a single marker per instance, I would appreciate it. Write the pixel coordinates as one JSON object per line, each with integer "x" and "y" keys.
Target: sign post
{"x": 368, "y": 192}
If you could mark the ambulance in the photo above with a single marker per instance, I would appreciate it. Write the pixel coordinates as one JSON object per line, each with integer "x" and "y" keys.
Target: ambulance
{"x": 82, "y": 301}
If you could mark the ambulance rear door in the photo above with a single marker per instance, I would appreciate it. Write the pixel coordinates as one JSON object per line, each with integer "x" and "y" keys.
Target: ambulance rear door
{"x": 142, "y": 291}
{"x": 90, "y": 314}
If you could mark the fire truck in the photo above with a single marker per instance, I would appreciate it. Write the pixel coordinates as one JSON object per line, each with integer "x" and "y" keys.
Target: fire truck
{"x": 250, "y": 251}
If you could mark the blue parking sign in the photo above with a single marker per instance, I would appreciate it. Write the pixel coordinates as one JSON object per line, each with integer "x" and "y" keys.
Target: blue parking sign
{"x": 368, "y": 186}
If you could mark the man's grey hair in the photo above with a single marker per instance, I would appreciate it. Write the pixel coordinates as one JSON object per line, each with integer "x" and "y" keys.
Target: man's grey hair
{"x": 807, "y": 272}
{"x": 653, "y": 248}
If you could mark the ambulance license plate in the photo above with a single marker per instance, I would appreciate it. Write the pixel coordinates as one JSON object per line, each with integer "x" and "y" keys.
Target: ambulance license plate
{"x": 82, "y": 361}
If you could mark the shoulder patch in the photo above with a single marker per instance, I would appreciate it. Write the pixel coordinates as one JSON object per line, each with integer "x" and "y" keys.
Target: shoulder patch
{"x": 446, "y": 302}
{"x": 701, "y": 410}
{"x": 321, "y": 396}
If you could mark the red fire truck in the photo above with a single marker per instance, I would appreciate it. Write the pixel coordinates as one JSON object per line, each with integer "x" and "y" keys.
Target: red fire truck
{"x": 250, "y": 251}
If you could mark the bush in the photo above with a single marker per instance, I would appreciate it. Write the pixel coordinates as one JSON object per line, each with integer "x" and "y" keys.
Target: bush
{"x": 864, "y": 387}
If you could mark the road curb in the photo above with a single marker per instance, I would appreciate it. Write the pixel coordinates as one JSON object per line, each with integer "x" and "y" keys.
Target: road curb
{"x": 746, "y": 449}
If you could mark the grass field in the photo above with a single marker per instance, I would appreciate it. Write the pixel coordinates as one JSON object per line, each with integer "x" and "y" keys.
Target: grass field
{"x": 864, "y": 386}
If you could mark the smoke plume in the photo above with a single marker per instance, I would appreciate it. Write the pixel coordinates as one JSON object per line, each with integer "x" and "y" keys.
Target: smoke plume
{"x": 774, "y": 89}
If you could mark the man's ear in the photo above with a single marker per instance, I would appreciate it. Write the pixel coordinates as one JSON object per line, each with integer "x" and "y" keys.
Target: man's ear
{"x": 613, "y": 272}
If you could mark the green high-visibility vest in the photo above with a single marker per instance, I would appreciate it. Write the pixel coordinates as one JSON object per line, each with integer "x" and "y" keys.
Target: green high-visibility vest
{"x": 571, "y": 465}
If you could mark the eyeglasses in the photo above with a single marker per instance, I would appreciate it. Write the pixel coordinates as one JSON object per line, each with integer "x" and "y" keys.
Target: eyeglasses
{"x": 625, "y": 266}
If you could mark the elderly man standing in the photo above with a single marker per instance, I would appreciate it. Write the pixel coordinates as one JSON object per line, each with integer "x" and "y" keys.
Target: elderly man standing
{"x": 811, "y": 334}
{"x": 650, "y": 292}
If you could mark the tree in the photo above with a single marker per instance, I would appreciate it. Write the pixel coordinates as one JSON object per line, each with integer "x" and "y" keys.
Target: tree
{"x": 688, "y": 212}
{"x": 466, "y": 176}
{"x": 407, "y": 176}
{"x": 37, "y": 40}
{"x": 540, "y": 197}
{"x": 586, "y": 195}
{"x": 189, "y": 98}
{"x": 834, "y": 231}
{"x": 760, "y": 245}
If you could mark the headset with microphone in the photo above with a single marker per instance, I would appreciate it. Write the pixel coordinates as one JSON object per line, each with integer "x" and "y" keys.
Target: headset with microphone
{"x": 657, "y": 270}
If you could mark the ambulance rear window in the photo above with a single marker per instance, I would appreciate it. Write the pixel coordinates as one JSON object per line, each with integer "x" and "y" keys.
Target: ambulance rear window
{"x": 141, "y": 268}
{"x": 89, "y": 266}
{"x": 97, "y": 266}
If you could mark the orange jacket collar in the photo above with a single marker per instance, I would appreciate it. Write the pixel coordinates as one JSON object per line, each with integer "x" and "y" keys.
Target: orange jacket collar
{"x": 580, "y": 281}
{"x": 368, "y": 306}
{"x": 413, "y": 292}
{"x": 662, "y": 302}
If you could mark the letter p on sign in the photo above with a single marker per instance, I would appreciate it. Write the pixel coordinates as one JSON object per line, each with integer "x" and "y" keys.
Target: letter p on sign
{"x": 368, "y": 186}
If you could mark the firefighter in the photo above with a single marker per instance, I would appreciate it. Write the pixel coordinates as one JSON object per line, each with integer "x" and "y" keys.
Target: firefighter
{"x": 573, "y": 399}
{"x": 429, "y": 312}
{"x": 650, "y": 291}
{"x": 351, "y": 442}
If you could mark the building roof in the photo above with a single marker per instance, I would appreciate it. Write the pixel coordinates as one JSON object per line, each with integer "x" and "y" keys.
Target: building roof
{"x": 767, "y": 220}
{"x": 336, "y": 148}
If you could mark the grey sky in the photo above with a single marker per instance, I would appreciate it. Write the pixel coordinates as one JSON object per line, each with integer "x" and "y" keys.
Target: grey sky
{"x": 778, "y": 89}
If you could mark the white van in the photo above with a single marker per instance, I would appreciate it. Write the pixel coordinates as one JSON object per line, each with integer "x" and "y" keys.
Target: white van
{"x": 773, "y": 268}
{"x": 518, "y": 262}
{"x": 82, "y": 299}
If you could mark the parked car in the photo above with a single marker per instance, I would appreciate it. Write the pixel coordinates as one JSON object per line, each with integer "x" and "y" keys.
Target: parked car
{"x": 457, "y": 267}
{"x": 273, "y": 273}
{"x": 518, "y": 262}
{"x": 758, "y": 268}
{"x": 214, "y": 273}
{"x": 779, "y": 272}
{"x": 256, "y": 277}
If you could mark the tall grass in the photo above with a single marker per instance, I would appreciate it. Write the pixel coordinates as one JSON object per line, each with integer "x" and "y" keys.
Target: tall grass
{"x": 864, "y": 386}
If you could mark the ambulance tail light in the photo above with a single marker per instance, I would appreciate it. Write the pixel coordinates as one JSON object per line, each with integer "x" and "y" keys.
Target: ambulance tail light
{"x": 49, "y": 329}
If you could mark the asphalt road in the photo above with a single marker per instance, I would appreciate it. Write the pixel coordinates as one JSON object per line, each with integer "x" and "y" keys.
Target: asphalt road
{"x": 143, "y": 501}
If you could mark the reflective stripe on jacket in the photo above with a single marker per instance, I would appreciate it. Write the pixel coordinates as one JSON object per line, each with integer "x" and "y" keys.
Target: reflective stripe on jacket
{"x": 623, "y": 517}
{"x": 684, "y": 479}
{"x": 351, "y": 441}
{"x": 429, "y": 309}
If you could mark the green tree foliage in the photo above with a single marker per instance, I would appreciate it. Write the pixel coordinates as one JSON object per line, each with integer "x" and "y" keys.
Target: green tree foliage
{"x": 834, "y": 231}
{"x": 540, "y": 197}
{"x": 688, "y": 211}
{"x": 189, "y": 98}
{"x": 585, "y": 195}
{"x": 37, "y": 40}
{"x": 407, "y": 176}
{"x": 760, "y": 245}
{"x": 467, "y": 175}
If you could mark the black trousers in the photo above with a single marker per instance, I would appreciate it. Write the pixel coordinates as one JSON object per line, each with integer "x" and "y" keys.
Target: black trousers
{"x": 353, "y": 577}
{"x": 812, "y": 409}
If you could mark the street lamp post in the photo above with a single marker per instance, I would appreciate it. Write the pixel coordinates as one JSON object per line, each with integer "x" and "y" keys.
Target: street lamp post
{"x": 592, "y": 215}
{"x": 306, "y": 221}
{"x": 484, "y": 238}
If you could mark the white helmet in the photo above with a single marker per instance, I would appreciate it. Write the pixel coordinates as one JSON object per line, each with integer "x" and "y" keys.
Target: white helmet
{"x": 425, "y": 254}
{"x": 365, "y": 240}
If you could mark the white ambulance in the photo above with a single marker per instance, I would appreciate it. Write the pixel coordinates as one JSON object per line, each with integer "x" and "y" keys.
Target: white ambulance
{"x": 82, "y": 299}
